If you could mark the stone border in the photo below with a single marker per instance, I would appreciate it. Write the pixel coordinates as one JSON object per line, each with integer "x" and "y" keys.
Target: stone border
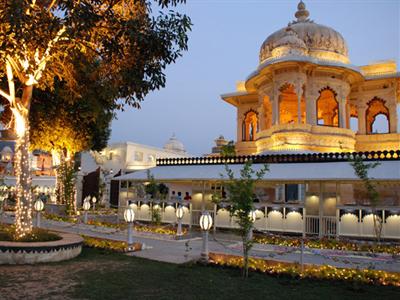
{"x": 68, "y": 247}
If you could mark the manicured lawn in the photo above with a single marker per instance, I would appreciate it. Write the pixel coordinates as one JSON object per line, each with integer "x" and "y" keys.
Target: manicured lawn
{"x": 100, "y": 275}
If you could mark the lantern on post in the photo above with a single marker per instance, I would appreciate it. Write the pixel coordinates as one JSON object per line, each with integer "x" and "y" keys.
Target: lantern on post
{"x": 180, "y": 212}
{"x": 94, "y": 200}
{"x": 129, "y": 216}
{"x": 86, "y": 207}
{"x": 206, "y": 222}
{"x": 39, "y": 205}
{"x": 253, "y": 218}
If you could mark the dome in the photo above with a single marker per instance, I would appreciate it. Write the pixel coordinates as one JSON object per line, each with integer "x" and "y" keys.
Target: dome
{"x": 320, "y": 41}
{"x": 174, "y": 145}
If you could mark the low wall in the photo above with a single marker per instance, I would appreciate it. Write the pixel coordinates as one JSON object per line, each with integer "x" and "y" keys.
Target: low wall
{"x": 68, "y": 247}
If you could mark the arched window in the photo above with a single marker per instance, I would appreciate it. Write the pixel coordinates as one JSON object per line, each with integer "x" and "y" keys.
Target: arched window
{"x": 327, "y": 108}
{"x": 288, "y": 105}
{"x": 353, "y": 122}
{"x": 377, "y": 117}
{"x": 250, "y": 126}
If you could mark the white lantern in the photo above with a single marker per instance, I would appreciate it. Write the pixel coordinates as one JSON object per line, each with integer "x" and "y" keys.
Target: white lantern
{"x": 129, "y": 215}
{"x": 180, "y": 212}
{"x": 39, "y": 205}
{"x": 206, "y": 221}
{"x": 252, "y": 216}
{"x": 86, "y": 205}
{"x": 87, "y": 198}
{"x": 94, "y": 200}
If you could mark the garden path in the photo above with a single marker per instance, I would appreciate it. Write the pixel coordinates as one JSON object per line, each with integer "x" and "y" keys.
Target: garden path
{"x": 181, "y": 251}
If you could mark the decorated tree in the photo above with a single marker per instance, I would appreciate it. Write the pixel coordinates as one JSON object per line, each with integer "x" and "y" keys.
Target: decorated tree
{"x": 241, "y": 198}
{"x": 361, "y": 169}
{"x": 39, "y": 41}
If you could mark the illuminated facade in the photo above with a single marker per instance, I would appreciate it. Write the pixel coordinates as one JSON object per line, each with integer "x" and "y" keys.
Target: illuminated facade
{"x": 306, "y": 96}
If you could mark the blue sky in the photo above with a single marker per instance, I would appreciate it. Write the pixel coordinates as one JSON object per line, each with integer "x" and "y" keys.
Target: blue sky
{"x": 223, "y": 49}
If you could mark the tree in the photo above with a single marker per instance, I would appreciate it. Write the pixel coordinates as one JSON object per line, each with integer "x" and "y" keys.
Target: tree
{"x": 361, "y": 169}
{"x": 228, "y": 149}
{"x": 39, "y": 41}
{"x": 64, "y": 128}
{"x": 240, "y": 196}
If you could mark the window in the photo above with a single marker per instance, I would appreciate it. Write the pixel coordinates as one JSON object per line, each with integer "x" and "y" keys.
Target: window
{"x": 151, "y": 158}
{"x": 291, "y": 192}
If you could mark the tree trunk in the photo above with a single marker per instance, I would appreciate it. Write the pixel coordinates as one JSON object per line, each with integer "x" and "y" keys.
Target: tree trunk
{"x": 377, "y": 225}
{"x": 23, "y": 215}
{"x": 65, "y": 184}
{"x": 245, "y": 256}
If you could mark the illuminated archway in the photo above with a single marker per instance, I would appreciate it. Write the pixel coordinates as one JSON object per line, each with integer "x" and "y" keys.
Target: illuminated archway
{"x": 327, "y": 108}
{"x": 288, "y": 105}
{"x": 353, "y": 121}
{"x": 250, "y": 126}
{"x": 377, "y": 117}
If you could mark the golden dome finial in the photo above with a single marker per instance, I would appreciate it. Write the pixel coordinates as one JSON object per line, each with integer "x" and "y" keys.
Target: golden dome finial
{"x": 302, "y": 13}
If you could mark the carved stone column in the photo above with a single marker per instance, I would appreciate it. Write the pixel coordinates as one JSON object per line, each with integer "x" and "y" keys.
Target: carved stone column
{"x": 361, "y": 110}
{"x": 311, "y": 106}
{"x": 299, "y": 93}
{"x": 342, "y": 95}
{"x": 393, "y": 117}
{"x": 239, "y": 126}
{"x": 275, "y": 107}
{"x": 261, "y": 112}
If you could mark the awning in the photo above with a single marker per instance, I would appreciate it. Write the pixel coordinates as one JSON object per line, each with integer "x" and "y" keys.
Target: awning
{"x": 387, "y": 170}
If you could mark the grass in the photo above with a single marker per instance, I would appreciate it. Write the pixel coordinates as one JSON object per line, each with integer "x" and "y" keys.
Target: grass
{"x": 136, "y": 278}
{"x": 99, "y": 274}
{"x": 7, "y": 233}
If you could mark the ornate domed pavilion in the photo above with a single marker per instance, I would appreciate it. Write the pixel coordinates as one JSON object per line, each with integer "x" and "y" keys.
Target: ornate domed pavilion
{"x": 305, "y": 95}
{"x": 175, "y": 145}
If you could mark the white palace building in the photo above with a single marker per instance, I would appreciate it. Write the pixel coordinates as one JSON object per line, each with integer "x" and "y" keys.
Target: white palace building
{"x": 300, "y": 111}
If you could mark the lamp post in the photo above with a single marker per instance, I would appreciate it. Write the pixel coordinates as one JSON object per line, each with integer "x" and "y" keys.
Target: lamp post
{"x": 129, "y": 216}
{"x": 39, "y": 205}
{"x": 180, "y": 212}
{"x": 206, "y": 222}
{"x": 252, "y": 217}
{"x": 86, "y": 207}
{"x": 94, "y": 200}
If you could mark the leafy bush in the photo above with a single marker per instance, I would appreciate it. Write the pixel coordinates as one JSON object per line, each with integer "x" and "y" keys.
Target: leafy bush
{"x": 326, "y": 243}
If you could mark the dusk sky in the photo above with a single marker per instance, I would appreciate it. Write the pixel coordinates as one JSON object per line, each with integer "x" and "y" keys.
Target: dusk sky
{"x": 223, "y": 49}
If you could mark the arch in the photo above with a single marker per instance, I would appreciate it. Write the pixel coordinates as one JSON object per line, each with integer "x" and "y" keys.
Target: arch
{"x": 375, "y": 108}
{"x": 288, "y": 105}
{"x": 250, "y": 125}
{"x": 327, "y": 108}
{"x": 353, "y": 115}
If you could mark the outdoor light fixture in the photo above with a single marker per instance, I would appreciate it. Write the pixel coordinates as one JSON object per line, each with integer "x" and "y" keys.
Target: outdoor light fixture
{"x": 206, "y": 222}
{"x": 253, "y": 218}
{"x": 180, "y": 212}
{"x": 39, "y": 205}
{"x": 94, "y": 200}
{"x": 86, "y": 207}
{"x": 129, "y": 216}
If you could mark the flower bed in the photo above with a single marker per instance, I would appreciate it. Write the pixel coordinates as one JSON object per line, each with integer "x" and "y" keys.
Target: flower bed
{"x": 105, "y": 244}
{"x": 324, "y": 272}
{"x": 325, "y": 243}
{"x": 168, "y": 230}
{"x": 7, "y": 233}
{"x": 58, "y": 218}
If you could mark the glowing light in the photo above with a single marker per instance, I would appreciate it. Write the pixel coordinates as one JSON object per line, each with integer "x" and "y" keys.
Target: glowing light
{"x": 206, "y": 221}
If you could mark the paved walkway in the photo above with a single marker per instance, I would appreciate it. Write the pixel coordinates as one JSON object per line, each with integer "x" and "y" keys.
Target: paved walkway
{"x": 181, "y": 251}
